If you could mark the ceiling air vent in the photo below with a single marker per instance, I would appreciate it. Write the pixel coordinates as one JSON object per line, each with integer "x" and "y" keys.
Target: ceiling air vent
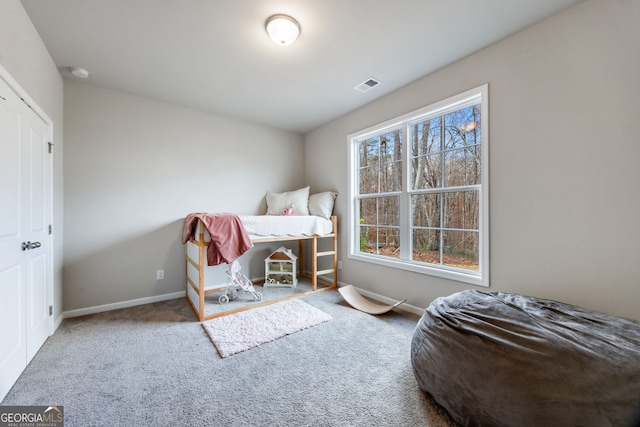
{"x": 367, "y": 85}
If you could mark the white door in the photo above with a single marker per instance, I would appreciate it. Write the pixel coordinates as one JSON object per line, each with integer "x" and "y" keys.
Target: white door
{"x": 13, "y": 330}
{"x": 35, "y": 219}
{"x": 25, "y": 279}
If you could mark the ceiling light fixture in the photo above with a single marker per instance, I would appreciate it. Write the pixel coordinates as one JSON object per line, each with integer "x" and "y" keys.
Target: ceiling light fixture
{"x": 79, "y": 72}
{"x": 283, "y": 29}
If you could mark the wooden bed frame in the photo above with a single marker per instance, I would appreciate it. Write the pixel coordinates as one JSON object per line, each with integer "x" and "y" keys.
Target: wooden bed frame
{"x": 197, "y": 289}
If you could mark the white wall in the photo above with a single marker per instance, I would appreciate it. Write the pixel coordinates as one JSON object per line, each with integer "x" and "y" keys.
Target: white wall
{"x": 134, "y": 168}
{"x": 25, "y": 57}
{"x": 564, "y": 150}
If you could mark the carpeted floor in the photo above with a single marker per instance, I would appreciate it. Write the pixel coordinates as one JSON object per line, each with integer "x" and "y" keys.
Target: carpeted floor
{"x": 154, "y": 365}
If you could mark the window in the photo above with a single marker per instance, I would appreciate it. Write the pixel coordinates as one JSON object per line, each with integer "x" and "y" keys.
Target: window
{"x": 419, "y": 190}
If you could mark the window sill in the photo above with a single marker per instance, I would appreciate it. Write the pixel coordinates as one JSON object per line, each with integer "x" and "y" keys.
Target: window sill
{"x": 445, "y": 273}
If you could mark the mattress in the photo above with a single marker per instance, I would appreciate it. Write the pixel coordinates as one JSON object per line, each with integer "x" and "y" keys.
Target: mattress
{"x": 271, "y": 226}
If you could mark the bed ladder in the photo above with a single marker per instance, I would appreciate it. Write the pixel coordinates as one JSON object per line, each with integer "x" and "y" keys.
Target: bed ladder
{"x": 315, "y": 256}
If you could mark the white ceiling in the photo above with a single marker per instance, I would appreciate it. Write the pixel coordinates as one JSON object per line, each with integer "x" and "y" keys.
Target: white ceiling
{"x": 215, "y": 55}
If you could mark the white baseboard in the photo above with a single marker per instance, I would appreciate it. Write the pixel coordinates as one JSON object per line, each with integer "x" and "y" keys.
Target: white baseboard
{"x": 141, "y": 301}
{"x": 57, "y": 322}
{"x": 123, "y": 304}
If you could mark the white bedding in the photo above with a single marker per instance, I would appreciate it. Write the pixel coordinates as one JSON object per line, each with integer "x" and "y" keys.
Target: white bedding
{"x": 265, "y": 226}
{"x": 277, "y": 225}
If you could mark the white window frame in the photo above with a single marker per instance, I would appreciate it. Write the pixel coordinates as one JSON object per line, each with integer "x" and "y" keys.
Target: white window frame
{"x": 481, "y": 276}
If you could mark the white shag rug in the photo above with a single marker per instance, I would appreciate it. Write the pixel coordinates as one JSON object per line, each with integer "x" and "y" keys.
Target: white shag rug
{"x": 247, "y": 329}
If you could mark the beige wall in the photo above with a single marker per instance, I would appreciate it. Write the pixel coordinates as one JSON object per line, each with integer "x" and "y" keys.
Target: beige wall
{"x": 134, "y": 168}
{"x": 564, "y": 150}
{"x": 25, "y": 57}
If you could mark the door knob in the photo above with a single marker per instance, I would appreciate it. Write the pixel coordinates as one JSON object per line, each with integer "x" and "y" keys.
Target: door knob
{"x": 29, "y": 245}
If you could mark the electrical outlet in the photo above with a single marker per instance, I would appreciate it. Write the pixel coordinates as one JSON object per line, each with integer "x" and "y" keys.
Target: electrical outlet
{"x": 339, "y": 265}
{"x": 160, "y": 275}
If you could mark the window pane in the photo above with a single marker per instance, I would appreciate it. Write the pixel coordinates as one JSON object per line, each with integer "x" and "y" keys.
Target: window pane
{"x": 391, "y": 177}
{"x": 426, "y": 246}
{"x": 461, "y": 128}
{"x": 473, "y": 127}
{"x": 368, "y": 239}
{"x": 389, "y": 242}
{"x": 388, "y": 213}
{"x": 369, "y": 152}
{"x": 425, "y": 137}
{"x": 368, "y": 212}
{"x": 380, "y": 241}
{"x": 369, "y": 180}
{"x": 391, "y": 146}
{"x": 462, "y": 167}
{"x": 426, "y": 166}
{"x": 425, "y": 210}
{"x": 390, "y": 161}
{"x": 461, "y": 210}
{"x": 380, "y": 163}
{"x": 460, "y": 249}
{"x": 379, "y": 225}
{"x": 380, "y": 211}
{"x": 426, "y": 172}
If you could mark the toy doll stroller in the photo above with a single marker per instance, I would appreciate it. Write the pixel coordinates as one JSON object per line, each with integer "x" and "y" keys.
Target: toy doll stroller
{"x": 237, "y": 285}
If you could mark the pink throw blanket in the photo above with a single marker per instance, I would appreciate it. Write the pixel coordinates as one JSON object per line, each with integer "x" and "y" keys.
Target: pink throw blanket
{"x": 229, "y": 239}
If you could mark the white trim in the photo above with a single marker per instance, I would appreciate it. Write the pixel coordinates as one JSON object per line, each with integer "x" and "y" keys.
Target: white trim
{"x": 124, "y": 304}
{"x": 453, "y": 103}
{"x": 423, "y": 268}
{"x": 51, "y": 287}
{"x": 22, "y": 94}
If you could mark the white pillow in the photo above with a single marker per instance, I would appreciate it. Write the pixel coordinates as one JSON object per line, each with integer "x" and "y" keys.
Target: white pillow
{"x": 321, "y": 204}
{"x": 278, "y": 202}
